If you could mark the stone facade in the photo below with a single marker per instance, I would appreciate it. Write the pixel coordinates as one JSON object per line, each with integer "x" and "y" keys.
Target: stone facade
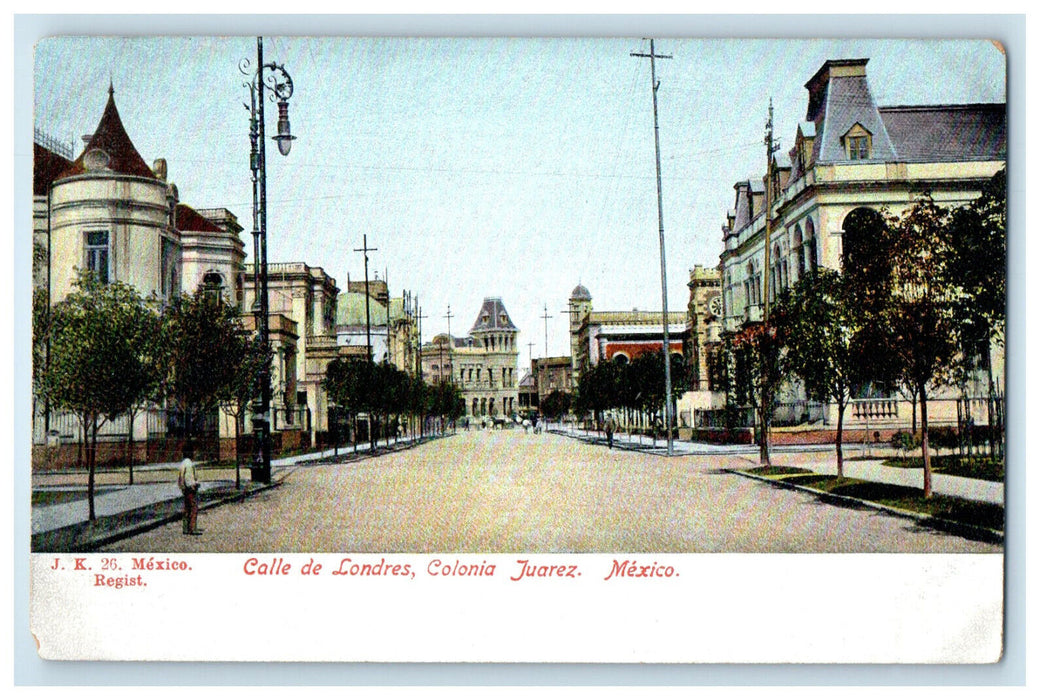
{"x": 618, "y": 335}
{"x": 306, "y": 296}
{"x": 482, "y": 366}
{"x": 850, "y": 154}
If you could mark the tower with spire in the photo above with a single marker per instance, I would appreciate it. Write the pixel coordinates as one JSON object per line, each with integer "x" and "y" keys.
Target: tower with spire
{"x": 114, "y": 215}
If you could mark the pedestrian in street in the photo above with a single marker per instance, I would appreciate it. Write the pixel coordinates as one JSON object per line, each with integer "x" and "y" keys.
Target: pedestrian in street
{"x": 190, "y": 487}
{"x": 609, "y": 427}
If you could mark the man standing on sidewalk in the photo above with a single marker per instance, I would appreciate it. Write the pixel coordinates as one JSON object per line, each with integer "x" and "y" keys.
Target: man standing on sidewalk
{"x": 609, "y": 427}
{"x": 190, "y": 488}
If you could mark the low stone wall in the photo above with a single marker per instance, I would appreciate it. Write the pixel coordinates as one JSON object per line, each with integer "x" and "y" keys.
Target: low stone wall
{"x": 117, "y": 453}
{"x": 744, "y": 436}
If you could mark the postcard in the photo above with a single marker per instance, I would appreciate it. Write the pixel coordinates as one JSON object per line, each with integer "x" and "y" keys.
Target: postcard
{"x": 601, "y": 350}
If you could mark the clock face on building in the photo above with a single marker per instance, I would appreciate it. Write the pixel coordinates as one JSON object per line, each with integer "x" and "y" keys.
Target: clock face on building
{"x": 715, "y": 306}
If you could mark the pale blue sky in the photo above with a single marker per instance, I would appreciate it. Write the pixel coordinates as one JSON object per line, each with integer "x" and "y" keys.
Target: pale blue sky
{"x": 485, "y": 167}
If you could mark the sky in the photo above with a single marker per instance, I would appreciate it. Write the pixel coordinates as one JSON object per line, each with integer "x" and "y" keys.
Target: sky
{"x": 481, "y": 167}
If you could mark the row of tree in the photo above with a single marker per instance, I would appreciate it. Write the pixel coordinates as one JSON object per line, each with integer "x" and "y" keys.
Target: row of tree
{"x": 105, "y": 352}
{"x": 918, "y": 302}
{"x": 638, "y": 385}
{"x": 360, "y": 386}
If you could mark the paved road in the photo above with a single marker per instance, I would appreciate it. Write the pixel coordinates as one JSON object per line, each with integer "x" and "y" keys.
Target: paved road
{"x": 508, "y": 491}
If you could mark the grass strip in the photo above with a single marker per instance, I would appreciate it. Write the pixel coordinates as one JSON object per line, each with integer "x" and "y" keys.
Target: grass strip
{"x": 975, "y": 513}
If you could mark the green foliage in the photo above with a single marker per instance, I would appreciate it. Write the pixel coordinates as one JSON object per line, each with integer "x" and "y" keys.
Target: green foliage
{"x": 820, "y": 325}
{"x": 638, "y": 385}
{"x": 759, "y": 354}
{"x": 977, "y": 269}
{"x": 206, "y": 347}
{"x": 556, "y": 404}
{"x": 903, "y": 440}
{"x": 103, "y": 359}
{"x": 250, "y": 357}
{"x": 103, "y": 354}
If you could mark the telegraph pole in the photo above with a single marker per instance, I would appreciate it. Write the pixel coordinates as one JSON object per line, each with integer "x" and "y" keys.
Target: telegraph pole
{"x": 367, "y": 295}
{"x": 418, "y": 320}
{"x": 450, "y": 357}
{"x": 388, "y": 333}
{"x": 661, "y": 245}
{"x": 768, "y": 198}
{"x": 546, "y": 316}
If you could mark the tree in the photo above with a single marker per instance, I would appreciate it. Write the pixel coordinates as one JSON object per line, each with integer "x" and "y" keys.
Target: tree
{"x": 821, "y": 325}
{"x": 250, "y": 357}
{"x": 759, "y": 356}
{"x": 99, "y": 366}
{"x": 976, "y": 266}
{"x": 148, "y": 339}
{"x": 446, "y": 401}
{"x": 557, "y": 403}
{"x": 347, "y": 384}
{"x": 920, "y": 316}
{"x": 601, "y": 387}
{"x": 203, "y": 342}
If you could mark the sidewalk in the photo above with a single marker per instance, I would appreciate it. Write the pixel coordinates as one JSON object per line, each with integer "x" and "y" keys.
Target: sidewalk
{"x": 820, "y": 459}
{"x": 125, "y": 510}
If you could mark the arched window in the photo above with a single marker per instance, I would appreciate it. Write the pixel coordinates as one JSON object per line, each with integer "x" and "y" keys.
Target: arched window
{"x": 776, "y": 273}
{"x": 865, "y": 254}
{"x": 812, "y": 248}
{"x": 750, "y": 295}
{"x": 799, "y": 252}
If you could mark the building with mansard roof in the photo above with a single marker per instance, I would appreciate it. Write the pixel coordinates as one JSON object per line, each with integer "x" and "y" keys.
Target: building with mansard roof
{"x": 850, "y": 157}
{"x": 482, "y": 366}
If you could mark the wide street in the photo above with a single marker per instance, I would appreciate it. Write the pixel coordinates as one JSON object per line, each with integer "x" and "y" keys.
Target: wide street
{"x": 510, "y": 491}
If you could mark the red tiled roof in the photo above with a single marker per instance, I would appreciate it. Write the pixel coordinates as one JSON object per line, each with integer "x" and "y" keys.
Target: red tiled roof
{"x": 112, "y": 138}
{"x": 189, "y": 219}
{"x": 47, "y": 166}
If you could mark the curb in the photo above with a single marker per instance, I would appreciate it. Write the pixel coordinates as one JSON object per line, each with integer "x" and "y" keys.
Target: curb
{"x": 618, "y": 444}
{"x": 976, "y": 532}
{"x": 70, "y": 532}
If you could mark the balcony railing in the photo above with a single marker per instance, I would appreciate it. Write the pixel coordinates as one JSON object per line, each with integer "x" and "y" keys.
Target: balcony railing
{"x": 874, "y": 409}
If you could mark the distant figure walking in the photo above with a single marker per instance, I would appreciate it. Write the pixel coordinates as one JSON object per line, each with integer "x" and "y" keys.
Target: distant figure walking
{"x": 190, "y": 487}
{"x": 609, "y": 427}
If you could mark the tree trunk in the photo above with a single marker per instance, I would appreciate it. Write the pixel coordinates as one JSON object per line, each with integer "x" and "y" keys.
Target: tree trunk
{"x": 130, "y": 448}
{"x": 90, "y": 448}
{"x": 841, "y": 404}
{"x": 237, "y": 432}
{"x": 765, "y": 436}
{"x": 924, "y": 444}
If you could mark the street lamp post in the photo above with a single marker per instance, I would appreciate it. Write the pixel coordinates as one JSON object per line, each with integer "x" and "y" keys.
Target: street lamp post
{"x": 281, "y": 87}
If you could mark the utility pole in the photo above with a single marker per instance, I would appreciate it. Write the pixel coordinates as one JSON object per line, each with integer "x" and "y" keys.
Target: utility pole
{"x": 450, "y": 357}
{"x": 418, "y": 320}
{"x": 768, "y": 199}
{"x": 661, "y": 245}
{"x": 546, "y": 316}
{"x": 367, "y": 295}
{"x": 388, "y": 334}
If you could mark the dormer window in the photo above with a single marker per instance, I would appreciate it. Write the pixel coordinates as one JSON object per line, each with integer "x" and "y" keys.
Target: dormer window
{"x": 858, "y": 142}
